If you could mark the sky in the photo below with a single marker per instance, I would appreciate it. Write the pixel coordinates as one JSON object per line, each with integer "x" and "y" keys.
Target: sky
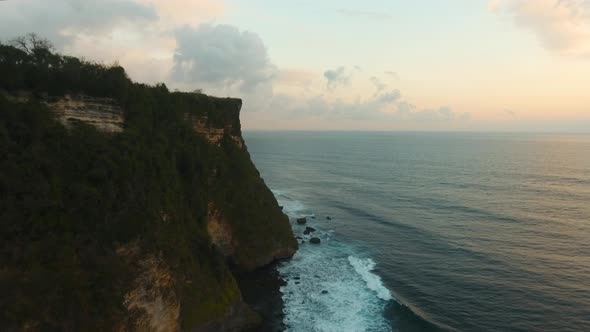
{"x": 420, "y": 65}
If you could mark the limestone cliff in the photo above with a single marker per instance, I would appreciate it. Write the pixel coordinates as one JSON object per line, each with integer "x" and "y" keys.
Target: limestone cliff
{"x": 237, "y": 218}
{"x": 230, "y": 228}
{"x": 132, "y": 226}
{"x": 124, "y": 206}
{"x": 250, "y": 232}
{"x": 103, "y": 113}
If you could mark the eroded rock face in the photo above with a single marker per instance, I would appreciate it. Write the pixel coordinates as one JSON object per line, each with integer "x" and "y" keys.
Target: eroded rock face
{"x": 220, "y": 231}
{"x": 153, "y": 302}
{"x": 215, "y": 134}
{"x": 229, "y": 245}
{"x": 103, "y": 113}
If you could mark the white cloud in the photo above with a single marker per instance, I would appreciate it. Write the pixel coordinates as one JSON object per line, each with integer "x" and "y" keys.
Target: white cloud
{"x": 339, "y": 76}
{"x": 186, "y": 12}
{"x": 174, "y": 41}
{"x": 379, "y": 85}
{"x": 222, "y": 60}
{"x": 391, "y": 74}
{"x": 221, "y": 55}
{"x": 562, "y": 26}
{"x": 138, "y": 34}
{"x": 63, "y": 20}
{"x": 380, "y": 110}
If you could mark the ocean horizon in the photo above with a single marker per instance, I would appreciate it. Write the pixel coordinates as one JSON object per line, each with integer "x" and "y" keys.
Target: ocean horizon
{"x": 433, "y": 231}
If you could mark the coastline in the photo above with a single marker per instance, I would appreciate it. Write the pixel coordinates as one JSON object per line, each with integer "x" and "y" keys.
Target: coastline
{"x": 261, "y": 291}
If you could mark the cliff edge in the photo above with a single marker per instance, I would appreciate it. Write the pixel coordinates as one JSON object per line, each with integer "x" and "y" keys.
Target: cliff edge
{"x": 124, "y": 205}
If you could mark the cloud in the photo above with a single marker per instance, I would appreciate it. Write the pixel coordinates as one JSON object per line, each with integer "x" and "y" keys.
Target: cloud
{"x": 385, "y": 109}
{"x": 338, "y": 77}
{"x": 389, "y": 97}
{"x": 138, "y": 34}
{"x": 408, "y": 111}
{"x": 222, "y": 56}
{"x": 62, "y": 20}
{"x": 391, "y": 74}
{"x": 186, "y": 12}
{"x": 370, "y": 15}
{"x": 379, "y": 85}
{"x": 166, "y": 41}
{"x": 562, "y": 26}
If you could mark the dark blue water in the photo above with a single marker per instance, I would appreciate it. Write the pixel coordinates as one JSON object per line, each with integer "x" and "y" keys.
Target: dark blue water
{"x": 468, "y": 232}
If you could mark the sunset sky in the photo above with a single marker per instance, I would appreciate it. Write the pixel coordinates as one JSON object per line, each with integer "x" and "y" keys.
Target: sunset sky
{"x": 476, "y": 65}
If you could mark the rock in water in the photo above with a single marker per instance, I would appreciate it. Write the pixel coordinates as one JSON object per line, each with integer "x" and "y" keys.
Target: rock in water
{"x": 328, "y": 218}
{"x": 301, "y": 221}
{"x": 308, "y": 230}
{"x": 315, "y": 240}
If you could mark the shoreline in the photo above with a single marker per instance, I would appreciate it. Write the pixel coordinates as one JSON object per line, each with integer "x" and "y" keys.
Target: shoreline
{"x": 261, "y": 291}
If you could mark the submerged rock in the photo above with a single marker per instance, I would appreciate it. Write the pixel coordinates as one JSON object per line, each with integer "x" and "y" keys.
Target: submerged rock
{"x": 302, "y": 221}
{"x": 315, "y": 240}
{"x": 309, "y": 230}
{"x": 328, "y": 218}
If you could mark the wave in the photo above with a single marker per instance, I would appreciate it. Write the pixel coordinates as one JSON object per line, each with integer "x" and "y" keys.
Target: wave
{"x": 364, "y": 267}
{"x": 291, "y": 206}
{"x": 328, "y": 288}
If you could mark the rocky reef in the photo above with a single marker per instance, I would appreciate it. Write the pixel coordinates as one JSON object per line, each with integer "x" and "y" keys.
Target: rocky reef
{"x": 125, "y": 207}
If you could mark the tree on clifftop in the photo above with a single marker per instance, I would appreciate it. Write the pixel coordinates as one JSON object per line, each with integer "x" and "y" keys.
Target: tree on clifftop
{"x": 31, "y": 42}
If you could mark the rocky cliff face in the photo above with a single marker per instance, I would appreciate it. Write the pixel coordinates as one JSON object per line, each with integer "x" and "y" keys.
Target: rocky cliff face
{"x": 225, "y": 226}
{"x": 153, "y": 301}
{"x": 103, "y": 113}
{"x": 244, "y": 224}
{"x": 133, "y": 227}
{"x": 228, "y": 229}
{"x": 215, "y": 135}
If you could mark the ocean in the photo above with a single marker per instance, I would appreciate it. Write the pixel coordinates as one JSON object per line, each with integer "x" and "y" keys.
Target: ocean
{"x": 433, "y": 231}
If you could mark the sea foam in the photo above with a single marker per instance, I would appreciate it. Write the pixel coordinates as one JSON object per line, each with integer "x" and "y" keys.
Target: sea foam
{"x": 364, "y": 267}
{"x": 327, "y": 287}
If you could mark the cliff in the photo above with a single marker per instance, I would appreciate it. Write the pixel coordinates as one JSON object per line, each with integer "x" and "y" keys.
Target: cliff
{"x": 124, "y": 205}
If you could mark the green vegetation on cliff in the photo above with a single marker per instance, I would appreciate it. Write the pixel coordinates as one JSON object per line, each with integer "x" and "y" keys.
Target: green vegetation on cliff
{"x": 71, "y": 199}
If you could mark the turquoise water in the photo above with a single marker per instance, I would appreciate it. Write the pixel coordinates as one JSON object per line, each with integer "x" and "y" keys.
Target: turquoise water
{"x": 467, "y": 232}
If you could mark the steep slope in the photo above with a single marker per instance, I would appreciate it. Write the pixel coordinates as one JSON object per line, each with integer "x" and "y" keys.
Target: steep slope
{"x": 122, "y": 204}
